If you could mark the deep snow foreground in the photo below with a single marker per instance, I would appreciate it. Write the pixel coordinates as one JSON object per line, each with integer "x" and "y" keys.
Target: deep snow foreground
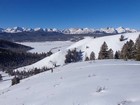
{"x": 101, "y": 82}
{"x": 86, "y": 45}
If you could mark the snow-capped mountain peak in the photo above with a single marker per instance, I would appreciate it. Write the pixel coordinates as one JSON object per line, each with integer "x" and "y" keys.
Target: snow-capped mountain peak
{"x": 38, "y": 29}
{"x": 52, "y": 30}
{"x": 108, "y": 30}
{"x": 78, "y": 31}
{"x": 130, "y": 30}
{"x": 28, "y": 30}
{"x": 14, "y": 30}
{"x": 121, "y": 30}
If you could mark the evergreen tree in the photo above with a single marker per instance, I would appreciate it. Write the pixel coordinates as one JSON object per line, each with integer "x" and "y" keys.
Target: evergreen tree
{"x": 130, "y": 49}
{"x": 49, "y": 53}
{"x": 110, "y": 54}
{"x": 137, "y": 48}
{"x": 92, "y": 56}
{"x": 122, "y": 38}
{"x": 124, "y": 52}
{"x": 73, "y": 56}
{"x": 103, "y": 54}
{"x": 15, "y": 80}
{"x": 68, "y": 57}
{"x": 87, "y": 59}
{"x": 0, "y": 77}
{"x": 117, "y": 55}
{"x": 77, "y": 55}
{"x": 127, "y": 51}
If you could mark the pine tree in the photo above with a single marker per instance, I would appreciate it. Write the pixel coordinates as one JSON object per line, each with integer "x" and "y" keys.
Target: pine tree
{"x": 130, "y": 49}
{"x": 110, "y": 54}
{"x": 87, "y": 59}
{"x": 124, "y": 52}
{"x": 15, "y": 80}
{"x": 122, "y": 38}
{"x": 103, "y": 54}
{"x": 137, "y": 47}
{"x": 0, "y": 77}
{"x": 127, "y": 51}
{"x": 68, "y": 57}
{"x": 92, "y": 56}
{"x": 117, "y": 55}
{"x": 73, "y": 56}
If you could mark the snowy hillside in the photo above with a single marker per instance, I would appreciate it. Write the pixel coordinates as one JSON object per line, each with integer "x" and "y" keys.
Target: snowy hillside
{"x": 6, "y": 80}
{"x": 86, "y": 45}
{"x": 103, "y": 82}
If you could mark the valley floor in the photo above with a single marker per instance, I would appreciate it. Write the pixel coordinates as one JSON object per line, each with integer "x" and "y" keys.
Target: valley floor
{"x": 100, "y": 82}
{"x": 44, "y": 47}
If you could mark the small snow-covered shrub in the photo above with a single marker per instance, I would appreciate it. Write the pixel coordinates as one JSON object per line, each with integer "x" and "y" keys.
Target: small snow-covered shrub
{"x": 100, "y": 89}
{"x": 124, "y": 103}
{"x": 15, "y": 80}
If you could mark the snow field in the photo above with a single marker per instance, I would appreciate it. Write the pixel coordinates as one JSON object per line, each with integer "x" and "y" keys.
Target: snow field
{"x": 100, "y": 82}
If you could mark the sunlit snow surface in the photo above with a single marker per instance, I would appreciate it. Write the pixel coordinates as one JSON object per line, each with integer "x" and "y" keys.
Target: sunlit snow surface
{"x": 100, "y": 82}
{"x": 86, "y": 45}
{"x": 6, "y": 80}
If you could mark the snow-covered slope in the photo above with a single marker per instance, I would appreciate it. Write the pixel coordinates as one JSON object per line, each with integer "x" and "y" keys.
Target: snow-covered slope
{"x": 103, "y": 82}
{"x": 86, "y": 45}
{"x": 6, "y": 80}
{"x": 93, "y": 44}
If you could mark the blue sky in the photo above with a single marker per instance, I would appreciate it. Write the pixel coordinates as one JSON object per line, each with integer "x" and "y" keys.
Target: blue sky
{"x": 70, "y": 13}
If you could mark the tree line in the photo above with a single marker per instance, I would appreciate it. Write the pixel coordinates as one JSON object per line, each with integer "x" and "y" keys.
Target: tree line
{"x": 130, "y": 50}
{"x": 10, "y": 60}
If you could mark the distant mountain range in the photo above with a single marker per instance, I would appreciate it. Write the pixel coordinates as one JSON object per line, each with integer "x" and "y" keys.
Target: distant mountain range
{"x": 19, "y": 34}
{"x": 107, "y": 30}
